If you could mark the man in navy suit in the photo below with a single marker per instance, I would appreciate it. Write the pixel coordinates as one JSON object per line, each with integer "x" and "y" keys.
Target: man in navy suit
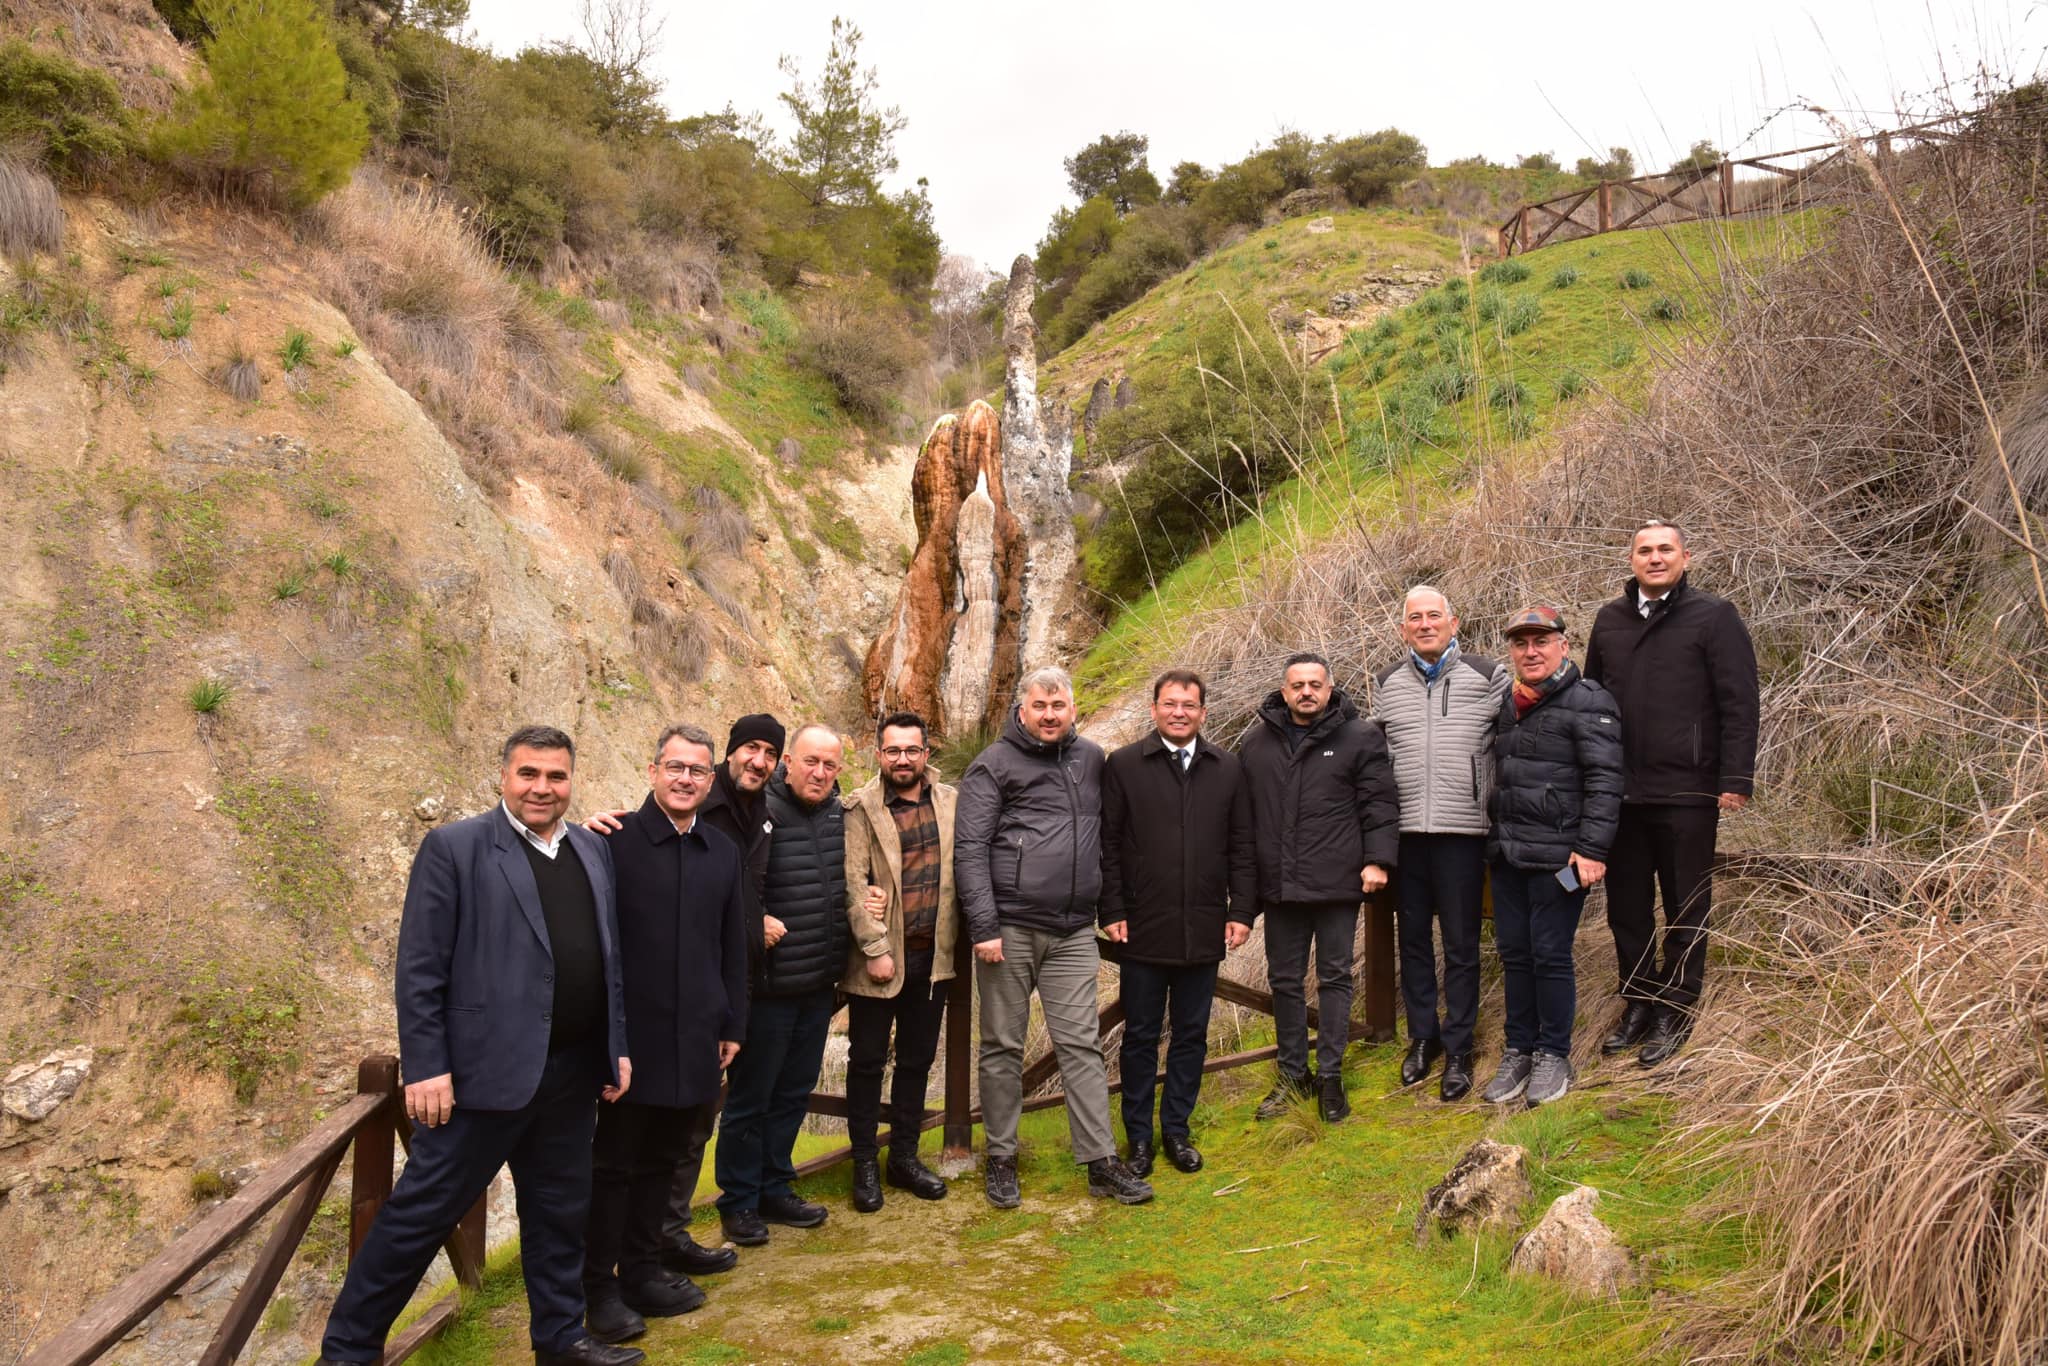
{"x": 511, "y": 1022}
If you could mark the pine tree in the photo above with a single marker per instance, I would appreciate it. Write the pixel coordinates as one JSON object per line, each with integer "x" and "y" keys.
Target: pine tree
{"x": 273, "y": 112}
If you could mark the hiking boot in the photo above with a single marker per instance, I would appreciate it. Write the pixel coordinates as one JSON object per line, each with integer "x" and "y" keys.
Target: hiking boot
{"x": 867, "y": 1185}
{"x": 1286, "y": 1091}
{"x": 1422, "y": 1055}
{"x": 905, "y": 1172}
{"x": 1336, "y": 1106}
{"x": 743, "y": 1227}
{"x": 1549, "y": 1078}
{"x": 1457, "y": 1079}
{"x": 1668, "y": 1034}
{"x": 1109, "y": 1176}
{"x": 999, "y": 1182}
{"x": 1511, "y": 1080}
{"x": 1634, "y": 1024}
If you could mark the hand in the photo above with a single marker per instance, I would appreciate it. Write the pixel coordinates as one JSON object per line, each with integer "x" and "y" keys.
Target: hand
{"x": 877, "y": 905}
{"x": 1734, "y": 801}
{"x": 1118, "y": 930}
{"x": 989, "y": 950}
{"x": 625, "y": 1081}
{"x": 772, "y": 931}
{"x": 432, "y": 1101}
{"x": 882, "y": 969}
{"x": 727, "y": 1051}
{"x": 1235, "y": 933}
{"x": 606, "y": 822}
{"x": 1590, "y": 871}
{"x": 1372, "y": 878}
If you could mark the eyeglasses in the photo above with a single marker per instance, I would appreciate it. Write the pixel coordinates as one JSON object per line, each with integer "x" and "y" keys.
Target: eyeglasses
{"x": 695, "y": 772}
{"x": 896, "y": 752}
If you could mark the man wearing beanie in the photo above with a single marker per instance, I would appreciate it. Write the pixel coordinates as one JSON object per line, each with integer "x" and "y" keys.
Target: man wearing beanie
{"x": 736, "y": 808}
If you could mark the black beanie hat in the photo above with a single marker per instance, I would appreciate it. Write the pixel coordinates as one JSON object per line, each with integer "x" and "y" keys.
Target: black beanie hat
{"x": 759, "y": 726}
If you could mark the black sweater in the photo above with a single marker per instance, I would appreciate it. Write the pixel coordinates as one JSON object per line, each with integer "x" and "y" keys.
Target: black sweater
{"x": 570, "y": 911}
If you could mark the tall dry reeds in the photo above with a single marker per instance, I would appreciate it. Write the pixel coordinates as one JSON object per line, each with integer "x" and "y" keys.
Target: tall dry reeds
{"x": 1857, "y": 447}
{"x": 31, "y": 219}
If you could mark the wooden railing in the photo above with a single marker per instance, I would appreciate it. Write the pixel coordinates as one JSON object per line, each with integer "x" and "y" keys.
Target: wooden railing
{"x": 372, "y": 1125}
{"x": 1710, "y": 191}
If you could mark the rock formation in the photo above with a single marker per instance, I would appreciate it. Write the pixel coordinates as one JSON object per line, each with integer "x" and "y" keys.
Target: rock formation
{"x": 950, "y": 652}
{"x": 1571, "y": 1246}
{"x": 1488, "y": 1187}
{"x": 1038, "y": 458}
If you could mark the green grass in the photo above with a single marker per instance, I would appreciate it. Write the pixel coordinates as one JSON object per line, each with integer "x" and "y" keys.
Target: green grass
{"x": 1369, "y": 461}
{"x": 208, "y": 696}
{"x": 296, "y": 350}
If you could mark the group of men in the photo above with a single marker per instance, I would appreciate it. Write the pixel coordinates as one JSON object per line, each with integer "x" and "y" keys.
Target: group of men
{"x": 719, "y": 926}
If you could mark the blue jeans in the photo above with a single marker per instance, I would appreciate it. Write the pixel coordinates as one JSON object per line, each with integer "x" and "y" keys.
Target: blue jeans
{"x": 767, "y": 1091}
{"x": 1148, "y": 990}
{"x": 1534, "y": 923}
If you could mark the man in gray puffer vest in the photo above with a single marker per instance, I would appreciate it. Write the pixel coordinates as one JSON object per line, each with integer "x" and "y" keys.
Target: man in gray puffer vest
{"x": 1438, "y": 706}
{"x": 1027, "y": 860}
{"x": 795, "y": 993}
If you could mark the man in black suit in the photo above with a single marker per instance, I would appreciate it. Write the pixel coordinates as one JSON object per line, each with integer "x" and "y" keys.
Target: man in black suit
{"x": 511, "y": 1022}
{"x": 682, "y": 936}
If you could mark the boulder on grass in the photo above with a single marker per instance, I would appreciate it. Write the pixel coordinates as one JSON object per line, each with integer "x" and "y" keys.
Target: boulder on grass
{"x": 1489, "y": 1187}
{"x": 1571, "y": 1246}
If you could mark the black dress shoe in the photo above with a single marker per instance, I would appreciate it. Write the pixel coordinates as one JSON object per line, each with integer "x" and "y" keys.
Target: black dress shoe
{"x": 867, "y": 1185}
{"x": 1457, "y": 1079}
{"x": 906, "y": 1173}
{"x": 590, "y": 1352}
{"x": 1667, "y": 1035}
{"x": 1140, "y": 1160}
{"x": 744, "y": 1227}
{"x": 692, "y": 1258}
{"x": 609, "y": 1320}
{"x": 663, "y": 1299}
{"x": 1422, "y": 1055}
{"x": 793, "y": 1210}
{"x": 1182, "y": 1154}
{"x": 1635, "y": 1023}
{"x": 1278, "y": 1101}
{"x": 1336, "y": 1106}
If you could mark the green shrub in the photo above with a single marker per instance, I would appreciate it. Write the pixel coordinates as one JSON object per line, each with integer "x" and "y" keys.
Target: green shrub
{"x": 272, "y": 116}
{"x": 1621, "y": 353}
{"x": 1667, "y": 308}
{"x": 183, "y": 19}
{"x": 1521, "y": 423}
{"x": 1571, "y": 384}
{"x": 208, "y": 696}
{"x": 296, "y": 351}
{"x": 1635, "y": 277}
{"x": 1387, "y": 328}
{"x": 1447, "y": 383}
{"x": 1507, "y": 393}
{"x": 861, "y": 345}
{"x": 1378, "y": 370}
{"x": 1154, "y": 244}
{"x": 248, "y": 1035}
{"x": 1369, "y": 167}
{"x": 1511, "y": 270}
{"x": 176, "y": 322}
{"x": 768, "y": 315}
{"x": 67, "y": 116}
{"x": 1493, "y": 301}
{"x": 1522, "y": 314}
{"x": 1565, "y": 277}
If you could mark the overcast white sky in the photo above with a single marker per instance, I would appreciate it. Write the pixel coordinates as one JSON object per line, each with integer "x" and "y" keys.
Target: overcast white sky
{"x": 998, "y": 95}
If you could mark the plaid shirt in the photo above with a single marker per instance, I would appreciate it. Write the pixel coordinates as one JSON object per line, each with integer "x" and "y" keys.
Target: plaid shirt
{"x": 917, "y": 830}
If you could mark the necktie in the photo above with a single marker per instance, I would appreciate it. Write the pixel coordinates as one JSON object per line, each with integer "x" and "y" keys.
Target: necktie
{"x": 1184, "y": 757}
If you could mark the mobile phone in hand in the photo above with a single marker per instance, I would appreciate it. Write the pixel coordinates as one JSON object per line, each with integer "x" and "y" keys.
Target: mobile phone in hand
{"x": 1568, "y": 878}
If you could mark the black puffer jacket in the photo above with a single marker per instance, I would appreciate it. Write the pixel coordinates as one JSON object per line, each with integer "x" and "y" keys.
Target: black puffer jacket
{"x": 1322, "y": 810}
{"x": 1027, "y": 840}
{"x": 805, "y": 888}
{"x": 1557, "y": 776}
{"x": 1686, "y": 682}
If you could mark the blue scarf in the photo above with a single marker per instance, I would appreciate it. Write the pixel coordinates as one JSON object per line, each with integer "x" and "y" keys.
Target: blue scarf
{"x": 1428, "y": 670}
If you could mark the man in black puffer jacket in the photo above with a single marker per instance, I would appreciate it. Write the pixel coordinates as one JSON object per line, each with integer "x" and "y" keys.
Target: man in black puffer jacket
{"x": 1328, "y": 821}
{"x": 794, "y": 995}
{"x": 1556, "y": 803}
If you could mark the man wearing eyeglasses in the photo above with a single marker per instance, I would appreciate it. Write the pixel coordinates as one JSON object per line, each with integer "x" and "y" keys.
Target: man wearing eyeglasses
{"x": 682, "y": 935}
{"x": 794, "y": 995}
{"x": 901, "y": 910}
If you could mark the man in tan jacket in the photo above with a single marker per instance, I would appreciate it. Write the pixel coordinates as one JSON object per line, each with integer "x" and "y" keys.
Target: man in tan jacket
{"x": 900, "y": 904}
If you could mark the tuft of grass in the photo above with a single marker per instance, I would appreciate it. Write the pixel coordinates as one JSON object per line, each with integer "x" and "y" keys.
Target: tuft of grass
{"x": 31, "y": 217}
{"x": 209, "y": 695}
{"x": 1635, "y": 277}
{"x": 296, "y": 351}
{"x": 289, "y": 587}
{"x": 340, "y": 565}
{"x": 176, "y": 324}
{"x": 342, "y": 349}
{"x": 1621, "y": 354}
{"x": 1522, "y": 314}
{"x": 582, "y": 415}
{"x": 1564, "y": 277}
{"x": 1509, "y": 271}
{"x": 240, "y": 377}
{"x": 1507, "y": 392}
{"x": 1667, "y": 308}
{"x": 207, "y": 1184}
{"x": 1570, "y": 385}
{"x": 1492, "y": 303}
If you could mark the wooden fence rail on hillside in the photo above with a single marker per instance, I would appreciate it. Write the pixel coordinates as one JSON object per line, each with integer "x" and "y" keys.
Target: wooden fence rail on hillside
{"x": 373, "y": 1124}
{"x": 1711, "y": 191}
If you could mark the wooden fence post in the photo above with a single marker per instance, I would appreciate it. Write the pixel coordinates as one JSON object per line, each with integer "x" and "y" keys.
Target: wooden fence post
{"x": 958, "y": 1136}
{"x": 376, "y": 1145}
{"x": 1378, "y": 969}
{"x": 1727, "y": 188}
{"x": 1606, "y": 205}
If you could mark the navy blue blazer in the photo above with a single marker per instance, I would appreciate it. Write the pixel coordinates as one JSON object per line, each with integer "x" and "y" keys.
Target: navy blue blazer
{"x": 475, "y": 972}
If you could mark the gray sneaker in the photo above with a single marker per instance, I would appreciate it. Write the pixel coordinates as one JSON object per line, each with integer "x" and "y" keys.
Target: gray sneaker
{"x": 1549, "y": 1078}
{"x": 1512, "y": 1079}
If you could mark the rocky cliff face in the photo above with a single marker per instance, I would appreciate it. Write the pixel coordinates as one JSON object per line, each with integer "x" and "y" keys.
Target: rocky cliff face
{"x": 950, "y": 652}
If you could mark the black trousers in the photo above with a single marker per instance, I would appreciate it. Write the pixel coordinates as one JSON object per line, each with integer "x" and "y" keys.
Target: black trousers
{"x": 632, "y": 1166}
{"x": 1441, "y": 881}
{"x": 697, "y": 1123}
{"x": 916, "y": 1014}
{"x": 1151, "y": 991}
{"x": 547, "y": 1144}
{"x": 1667, "y": 848}
{"x": 1290, "y": 930}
